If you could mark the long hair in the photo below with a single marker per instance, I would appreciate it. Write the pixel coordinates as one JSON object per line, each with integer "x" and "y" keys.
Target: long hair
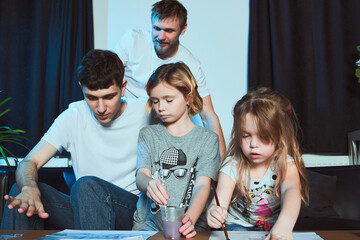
{"x": 179, "y": 76}
{"x": 276, "y": 123}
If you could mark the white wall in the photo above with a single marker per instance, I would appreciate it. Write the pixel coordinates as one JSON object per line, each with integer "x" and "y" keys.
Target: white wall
{"x": 217, "y": 35}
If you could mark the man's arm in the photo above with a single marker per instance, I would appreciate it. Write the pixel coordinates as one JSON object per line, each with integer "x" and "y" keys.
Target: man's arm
{"x": 212, "y": 122}
{"x": 29, "y": 200}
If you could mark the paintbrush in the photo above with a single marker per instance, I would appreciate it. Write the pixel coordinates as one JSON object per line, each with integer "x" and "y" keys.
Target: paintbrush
{"x": 217, "y": 203}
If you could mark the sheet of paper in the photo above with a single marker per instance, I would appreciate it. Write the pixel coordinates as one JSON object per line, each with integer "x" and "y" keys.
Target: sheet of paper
{"x": 9, "y": 236}
{"x": 254, "y": 235}
{"x": 69, "y": 234}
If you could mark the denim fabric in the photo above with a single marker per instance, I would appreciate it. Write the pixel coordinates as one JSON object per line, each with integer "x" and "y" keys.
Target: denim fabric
{"x": 97, "y": 204}
{"x": 58, "y": 206}
{"x": 236, "y": 227}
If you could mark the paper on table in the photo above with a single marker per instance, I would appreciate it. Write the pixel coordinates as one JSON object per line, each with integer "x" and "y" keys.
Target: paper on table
{"x": 9, "y": 236}
{"x": 69, "y": 234}
{"x": 254, "y": 235}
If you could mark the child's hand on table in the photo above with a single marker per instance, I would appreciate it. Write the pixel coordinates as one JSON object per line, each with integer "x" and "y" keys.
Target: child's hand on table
{"x": 188, "y": 228}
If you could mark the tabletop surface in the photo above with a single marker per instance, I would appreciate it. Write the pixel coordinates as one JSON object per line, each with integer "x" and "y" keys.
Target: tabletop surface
{"x": 327, "y": 235}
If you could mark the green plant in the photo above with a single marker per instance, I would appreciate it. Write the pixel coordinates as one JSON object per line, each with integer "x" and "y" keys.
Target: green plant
{"x": 8, "y": 135}
{"x": 357, "y": 70}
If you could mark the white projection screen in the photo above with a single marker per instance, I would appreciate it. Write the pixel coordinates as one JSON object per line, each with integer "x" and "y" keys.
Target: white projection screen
{"x": 217, "y": 35}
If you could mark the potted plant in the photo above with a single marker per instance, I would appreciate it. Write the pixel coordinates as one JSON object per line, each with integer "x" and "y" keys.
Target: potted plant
{"x": 8, "y": 135}
{"x": 357, "y": 70}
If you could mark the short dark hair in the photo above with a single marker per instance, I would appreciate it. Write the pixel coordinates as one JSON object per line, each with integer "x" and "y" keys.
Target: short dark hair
{"x": 170, "y": 9}
{"x": 99, "y": 69}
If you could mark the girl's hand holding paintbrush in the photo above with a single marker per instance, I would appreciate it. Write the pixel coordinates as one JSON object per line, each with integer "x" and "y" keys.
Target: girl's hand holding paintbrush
{"x": 154, "y": 188}
{"x": 216, "y": 216}
{"x": 218, "y": 209}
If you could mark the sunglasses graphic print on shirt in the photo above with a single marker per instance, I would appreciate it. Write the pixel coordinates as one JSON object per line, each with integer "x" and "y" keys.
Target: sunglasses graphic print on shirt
{"x": 172, "y": 164}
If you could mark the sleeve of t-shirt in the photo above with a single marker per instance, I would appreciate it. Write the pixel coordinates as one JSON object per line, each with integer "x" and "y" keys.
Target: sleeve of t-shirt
{"x": 201, "y": 82}
{"x": 143, "y": 151}
{"x": 229, "y": 168}
{"x": 124, "y": 45}
{"x": 209, "y": 164}
{"x": 58, "y": 134}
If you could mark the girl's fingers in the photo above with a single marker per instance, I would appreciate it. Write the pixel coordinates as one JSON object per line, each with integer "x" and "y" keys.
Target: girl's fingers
{"x": 218, "y": 215}
{"x": 224, "y": 213}
{"x": 150, "y": 193}
{"x": 187, "y": 228}
{"x": 192, "y": 234}
{"x": 154, "y": 193}
{"x": 215, "y": 223}
{"x": 163, "y": 190}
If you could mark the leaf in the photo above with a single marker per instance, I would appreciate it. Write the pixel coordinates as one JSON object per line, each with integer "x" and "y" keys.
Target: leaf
{"x": 357, "y": 72}
{"x": 4, "y": 101}
{"x": 4, "y": 156}
{"x": 5, "y": 111}
{"x": 8, "y": 135}
{"x": 7, "y": 150}
{"x": 15, "y": 142}
{"x": 358, "y": 48}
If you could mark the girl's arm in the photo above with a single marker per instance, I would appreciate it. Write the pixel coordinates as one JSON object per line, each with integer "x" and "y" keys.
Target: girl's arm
{"x": 290, "y": 205}
{"x": 197, "y": 204}
{"x": 216, "y": 215}
{"x": 152, "y": 187}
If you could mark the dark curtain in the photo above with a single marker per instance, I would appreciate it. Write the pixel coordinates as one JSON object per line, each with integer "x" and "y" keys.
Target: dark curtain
{"x": 306, "y": 50}
{"x": 41, "y": 45}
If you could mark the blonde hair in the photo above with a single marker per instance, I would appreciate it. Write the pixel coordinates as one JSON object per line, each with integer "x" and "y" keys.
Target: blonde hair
{"x": 276, "y": 123}
{"x": 179, "y": 76}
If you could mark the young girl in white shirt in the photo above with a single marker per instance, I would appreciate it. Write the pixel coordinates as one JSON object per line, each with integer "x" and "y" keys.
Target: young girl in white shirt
{"x": 262, "y": 181}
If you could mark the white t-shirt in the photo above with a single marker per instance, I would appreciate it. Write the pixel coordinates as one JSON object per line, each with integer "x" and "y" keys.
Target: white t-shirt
{"x": 264, "y": 206}
{"x": 136, "y": 51}
{"x": 105, "y": 152}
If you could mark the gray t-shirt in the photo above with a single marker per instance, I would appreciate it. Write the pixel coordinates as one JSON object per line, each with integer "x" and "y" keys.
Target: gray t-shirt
{"x": 181, "y": 160}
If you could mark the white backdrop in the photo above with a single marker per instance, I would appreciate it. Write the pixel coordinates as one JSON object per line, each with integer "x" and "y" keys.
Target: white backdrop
{"x": 217, "y": 35}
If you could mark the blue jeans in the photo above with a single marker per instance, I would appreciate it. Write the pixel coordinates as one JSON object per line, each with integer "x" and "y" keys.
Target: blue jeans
{"x": 58, "y": 206}
{"x": 98, "y": 204}
{"x": 94, "y": 204}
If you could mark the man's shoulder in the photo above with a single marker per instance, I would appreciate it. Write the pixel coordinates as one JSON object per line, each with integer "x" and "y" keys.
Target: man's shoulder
{"x": 78, "y": 108}
{"x": 135, "y": 113}
{"x": 186, "y": 56}
{"x": 136, "y": 104}
{"x": 133, "y": 44}
{"x": 137, "y": 35}
{"x": 78, "y": 105}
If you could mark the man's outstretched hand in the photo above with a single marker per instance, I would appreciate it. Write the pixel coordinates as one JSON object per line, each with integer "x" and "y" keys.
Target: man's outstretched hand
{"x": 27, "y": 201}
